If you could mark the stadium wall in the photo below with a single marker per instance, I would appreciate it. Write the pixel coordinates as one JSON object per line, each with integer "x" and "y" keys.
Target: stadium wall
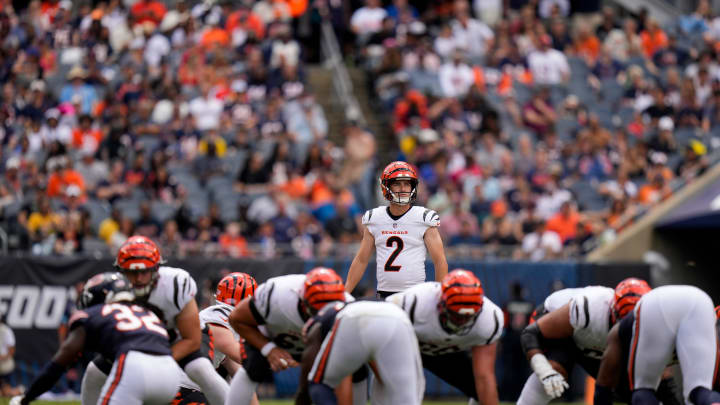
{"x": 36, "y": 294}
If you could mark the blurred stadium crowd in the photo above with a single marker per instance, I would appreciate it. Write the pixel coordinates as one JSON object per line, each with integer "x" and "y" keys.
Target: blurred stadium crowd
{"x": 538, "y": 128}
{"x": 548, "y": 124}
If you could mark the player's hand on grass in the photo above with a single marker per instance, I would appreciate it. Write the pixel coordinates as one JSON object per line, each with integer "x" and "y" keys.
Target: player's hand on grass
{"x": 553, "y": 382}
{"x": 16, "y": 400}
{"x": 280, "y": 359}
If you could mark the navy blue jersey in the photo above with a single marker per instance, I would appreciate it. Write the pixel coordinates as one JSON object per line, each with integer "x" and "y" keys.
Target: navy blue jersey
{"x": 114, "y": 329}
{"x": 326, "y": 318}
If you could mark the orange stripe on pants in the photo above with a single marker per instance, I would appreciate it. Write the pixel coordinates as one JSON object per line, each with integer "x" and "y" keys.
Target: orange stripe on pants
{"x": 633, "y": 350}
{"x": 116, "y": 381}
{"x": 326, "y": 355}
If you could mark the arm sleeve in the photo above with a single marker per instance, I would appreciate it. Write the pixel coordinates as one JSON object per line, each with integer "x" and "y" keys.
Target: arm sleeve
{"x": 260, "y": 302}
{"x": 579, "y": 312}
{"x": 47, "y": 378}
{"x": 431, "y": 218}
{"x": 366, "y": 217}
{"x": 184, "y": 289}
{"x": 498, "y": 325}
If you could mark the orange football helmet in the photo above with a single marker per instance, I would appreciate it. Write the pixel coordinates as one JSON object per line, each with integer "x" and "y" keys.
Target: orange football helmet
{"x": 461, "y": 301}
{"x": 234, "y": 287}
{"x": 627, "y": 295}
{"x": 399, "y": 171}
{"x": 322, "y": 285}
{"x": 139, "y": 253}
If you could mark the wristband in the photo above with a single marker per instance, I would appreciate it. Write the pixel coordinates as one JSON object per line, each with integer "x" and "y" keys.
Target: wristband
{"x": 541, "y": 366}
{"x": 267, "y": 348}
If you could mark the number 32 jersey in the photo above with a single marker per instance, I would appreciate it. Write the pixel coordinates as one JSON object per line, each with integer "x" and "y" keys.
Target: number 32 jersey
{"x": 114, "y": 329}
{"x": 421, "y": 304}
{"x": 400, "y": 245}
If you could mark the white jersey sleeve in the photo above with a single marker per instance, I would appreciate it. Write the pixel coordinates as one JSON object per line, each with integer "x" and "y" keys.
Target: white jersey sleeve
{"x": 174, "y": 290}
{"x": 590, "y": 319}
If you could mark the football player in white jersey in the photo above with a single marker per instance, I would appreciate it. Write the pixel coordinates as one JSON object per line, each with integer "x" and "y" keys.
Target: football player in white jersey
{"x": 171, "y": 291}
{"x": 219, "y": 341}
{"x": 670, "y": 324}
{"x": 401, "y": 235}
{"x": 573, "y": 330}
{"x": 271, "y": 323}
{"x": 457, "y": 329}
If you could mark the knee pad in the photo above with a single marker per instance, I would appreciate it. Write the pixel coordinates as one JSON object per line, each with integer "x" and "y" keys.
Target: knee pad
{"x": 361, "y": 374}
{"x": 322, "y": 394}
{"x": 644, "y": 396}
{"x": 703, "y": 396}
{"x": 189, "y": 358}
{"x": 102, "y": 364}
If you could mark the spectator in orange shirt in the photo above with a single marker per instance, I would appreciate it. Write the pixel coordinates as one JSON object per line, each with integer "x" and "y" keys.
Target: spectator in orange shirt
{"x": 63, "y": 177}
{"x": 587, "y": 44}
{"x": 232, "y": 243}
{"x": 653, "y": 38}
{"x": 564, "y": 223}
{"x": 655, "y": 191}
{"x": 215, "y": 36}
{"x": 245, "y": 20}
{"x": 148, "y": 10}
{"x": 86, "y": 137}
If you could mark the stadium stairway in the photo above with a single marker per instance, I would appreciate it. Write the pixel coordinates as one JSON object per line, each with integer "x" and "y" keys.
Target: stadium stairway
{"x": 320, "y": 80}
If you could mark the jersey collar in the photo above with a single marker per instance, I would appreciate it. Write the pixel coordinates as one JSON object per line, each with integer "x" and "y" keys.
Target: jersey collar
{"x": 394, "y": 217}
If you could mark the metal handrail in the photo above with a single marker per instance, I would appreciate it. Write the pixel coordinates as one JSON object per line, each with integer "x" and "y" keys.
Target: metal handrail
{"x": 341, "y": 78}
{"x": 4, "y": 241}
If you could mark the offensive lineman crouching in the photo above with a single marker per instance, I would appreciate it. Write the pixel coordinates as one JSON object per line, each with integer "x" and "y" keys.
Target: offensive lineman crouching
{"x": 450, "y": 319}
{"x": 271, "y": 323}
{"x": 574, "y": 331}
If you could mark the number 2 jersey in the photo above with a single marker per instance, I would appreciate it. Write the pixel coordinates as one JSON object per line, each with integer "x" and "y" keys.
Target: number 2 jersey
{"x": 115, "y": 329}
{"x": 276, "y": 308}
{"x": 400, "y": 245}
{"x": 589, "y": 316}
{"x": 421, "y": 304}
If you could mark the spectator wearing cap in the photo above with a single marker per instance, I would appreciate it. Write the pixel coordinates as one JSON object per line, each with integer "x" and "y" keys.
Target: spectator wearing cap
{"x": 664, "y": 141}
{"x": 78, "y": 89}
{"x": 547, "y": 65}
